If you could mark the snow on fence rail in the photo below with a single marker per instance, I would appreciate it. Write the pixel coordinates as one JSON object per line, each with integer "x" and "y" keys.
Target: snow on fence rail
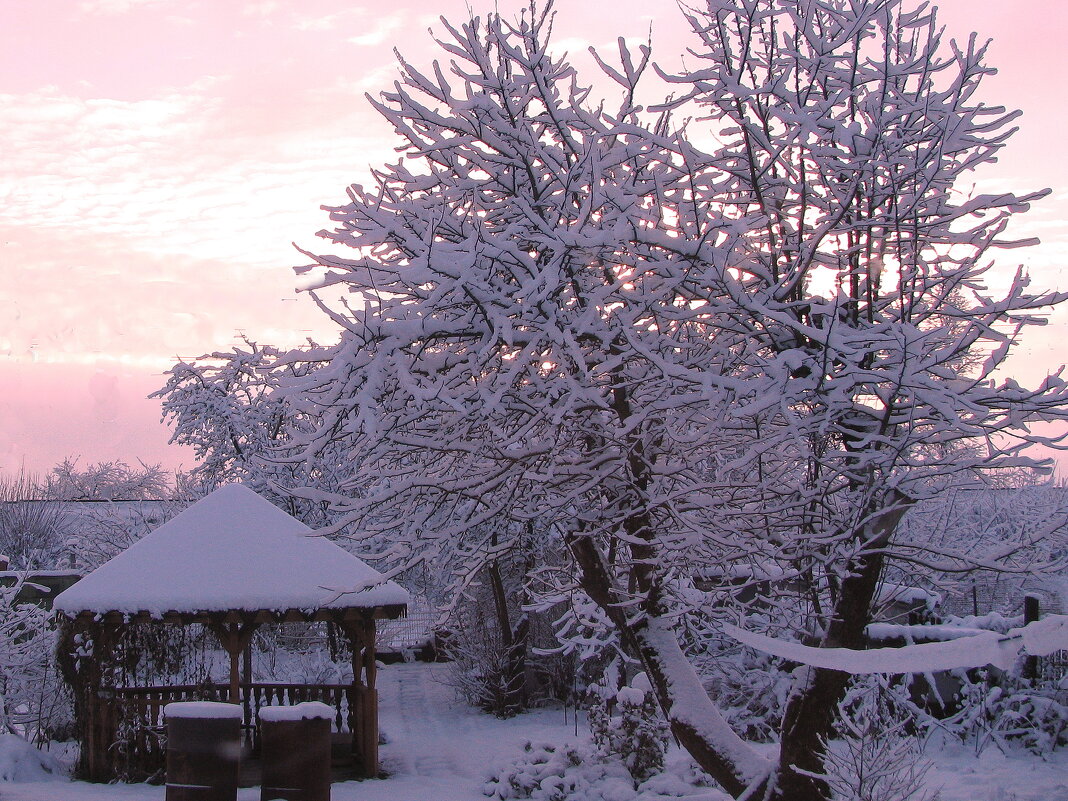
{"x": 1040, "y": 638}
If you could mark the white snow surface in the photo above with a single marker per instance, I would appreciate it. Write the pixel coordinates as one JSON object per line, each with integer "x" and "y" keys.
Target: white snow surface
{"x": 21, "y": 762}
{"x": 231, "y": 550}
{"x": 308, "y": 710}
{"x": 439, "y": 748}
{"x": 202, "y": 709}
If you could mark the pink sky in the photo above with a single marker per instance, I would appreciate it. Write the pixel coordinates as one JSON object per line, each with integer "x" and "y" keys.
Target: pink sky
{"x": 160, "y": 157}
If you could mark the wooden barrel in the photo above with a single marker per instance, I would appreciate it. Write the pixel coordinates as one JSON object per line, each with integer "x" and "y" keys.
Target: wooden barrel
{"x": 203, "y": 751}
{"x": 295, "y": 752}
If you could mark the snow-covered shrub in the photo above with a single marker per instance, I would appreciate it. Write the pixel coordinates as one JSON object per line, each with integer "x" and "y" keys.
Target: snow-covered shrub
{"x": 21, "y": 762}
{"x": 626, "y": 723}
{"x": 752, "y": 689}
{"x": 33, "y": 702}
{"x": 31, "y": 524}
{"x": 545, "y": 772}
{"x": 504, "y": 672}
{"x": 876, "y": 755}
{"x": 95, "y": 532}
{"x": 310, "y": 653}
{"x": 1003, "y": 709}
{"x": 478, "y": 665}
{"x": 980, "y": 706}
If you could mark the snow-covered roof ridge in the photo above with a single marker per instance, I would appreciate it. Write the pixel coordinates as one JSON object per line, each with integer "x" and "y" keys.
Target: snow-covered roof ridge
{"x": 231, "y": 550}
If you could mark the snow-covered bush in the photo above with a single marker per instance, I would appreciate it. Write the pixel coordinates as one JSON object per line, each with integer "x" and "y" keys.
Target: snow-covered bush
{"x": 31, "y": 524}
{"x": 1003, "y": 709}
{"x": 488, "y": 640}
{"x": 876, "y": 755}
{"x": 33, "y": 701}
{"x": 504, "y": 649}
{"x": 95, "y": 532}
{"x": 107, "y": 481}
{"x": 21, "y": 762}
{"x": 546, "y": 772}
{"x": 751, "y": 686}
{"x": 626, "y": 723}
{"x": 310, "y": 653}
{"x": 501, "y": 677}
{"x": 981, "y": 706}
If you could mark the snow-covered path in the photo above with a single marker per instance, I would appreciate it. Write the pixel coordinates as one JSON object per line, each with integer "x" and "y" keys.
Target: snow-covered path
{"x": 423, "y": 734}
{"x": 435, "y": 740}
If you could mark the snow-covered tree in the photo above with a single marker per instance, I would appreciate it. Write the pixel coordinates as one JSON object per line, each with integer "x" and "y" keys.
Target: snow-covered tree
{"x": 221, "y": 406}
{"x": 536, "y": 339}
{"x": 106, "y": 481}
{"x": 224, "y": 406}
{"x": 845, "y": 129}
{"x": 670, "y": 358}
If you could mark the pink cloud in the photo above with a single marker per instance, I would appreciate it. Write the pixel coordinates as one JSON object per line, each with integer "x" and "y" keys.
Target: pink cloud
{"x": 96, "y": 412}
{"x": 161, "y": 156}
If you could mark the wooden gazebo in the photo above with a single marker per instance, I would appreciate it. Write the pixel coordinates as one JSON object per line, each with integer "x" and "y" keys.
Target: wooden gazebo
{"x": 231, "y": 562}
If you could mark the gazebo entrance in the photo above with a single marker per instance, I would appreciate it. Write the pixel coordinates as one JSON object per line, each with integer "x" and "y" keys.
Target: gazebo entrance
{"x": 231, "y": 563}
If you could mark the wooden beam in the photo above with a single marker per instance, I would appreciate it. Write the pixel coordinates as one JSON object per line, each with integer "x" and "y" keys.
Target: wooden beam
{"x": 387, "y": 612}
{"x": 370, "y": 666}
{"x": 234, "y": 637}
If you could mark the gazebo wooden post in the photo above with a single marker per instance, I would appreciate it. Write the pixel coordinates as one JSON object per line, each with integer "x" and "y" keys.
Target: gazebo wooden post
{"x": 361, "y": 634}
{"x": 100, "y": 715}
{"x": 369, "y": 727}
{"x": 234, "y": 637}
{"x": 246, "y": 679}
{"x": 370, "y": 666}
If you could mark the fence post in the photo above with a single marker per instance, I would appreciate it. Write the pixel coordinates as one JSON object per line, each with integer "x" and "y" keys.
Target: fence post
{"x": 1032, "y": 612}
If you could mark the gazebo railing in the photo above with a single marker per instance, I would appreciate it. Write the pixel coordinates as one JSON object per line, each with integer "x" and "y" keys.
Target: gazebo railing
{"x": 143, "y": 706}
{"x": 139, "y": 745}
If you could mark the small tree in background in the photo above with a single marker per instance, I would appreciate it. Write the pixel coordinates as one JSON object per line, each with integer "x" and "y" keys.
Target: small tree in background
{"x": 31, "y": 523}
{"x": 106, "y": 481}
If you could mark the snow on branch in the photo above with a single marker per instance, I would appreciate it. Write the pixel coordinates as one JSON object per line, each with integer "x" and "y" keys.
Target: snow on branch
{"x": 1039, "y": 638}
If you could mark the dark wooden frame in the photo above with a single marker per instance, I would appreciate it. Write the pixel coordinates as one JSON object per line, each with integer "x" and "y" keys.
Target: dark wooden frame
{"x": 87, "y": 644}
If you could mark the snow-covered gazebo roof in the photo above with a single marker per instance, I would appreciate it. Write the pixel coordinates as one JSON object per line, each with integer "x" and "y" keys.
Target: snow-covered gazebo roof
{"x": 233, "y": 552}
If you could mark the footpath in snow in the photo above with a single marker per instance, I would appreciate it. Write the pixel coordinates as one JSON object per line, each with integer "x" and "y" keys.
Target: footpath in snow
{"x": 442, "y": 750}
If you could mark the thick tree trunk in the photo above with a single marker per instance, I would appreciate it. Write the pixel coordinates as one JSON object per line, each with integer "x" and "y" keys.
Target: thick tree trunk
{"x": 512, "y": 698}
{"x": 515, "y": 668}
{"x": 808, "y": 721}
{"x": 692, "y": 716}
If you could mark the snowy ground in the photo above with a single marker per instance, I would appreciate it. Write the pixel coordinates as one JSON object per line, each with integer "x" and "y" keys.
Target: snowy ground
{"x": 439, "y": 748}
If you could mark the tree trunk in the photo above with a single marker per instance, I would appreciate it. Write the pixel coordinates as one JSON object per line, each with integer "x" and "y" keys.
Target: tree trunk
{"x": 515, "y": 668}
{"x": 512, "y": 697}
{"x": 811, "y": 709}
{"x": 694, "y": 720}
